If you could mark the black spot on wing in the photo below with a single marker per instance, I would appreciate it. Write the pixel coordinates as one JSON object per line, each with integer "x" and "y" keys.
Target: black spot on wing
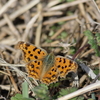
{"x": 26, "y": 48}
{"x": 37, "y": 68}
{"x": 61, "y": 72}
{"x": 60, "y": 60}
{"x": 32, "y": 66}
{"x": 36, "y": 57}
{"x": 53, "y": 76}
{"x": 64, "y": 61}
{"x": 34, "y": 48}
{"x": 31, "y": 55}
{"x": 63, "y": 67}
{"x": 49, "y": 73}
{"x": 56, "y": 58}
{"x": 35, "y": 61}
{"x": 39, "y": 52}
{"x": 48, "y": 78}
{"x": 43, "y": 53}
{"x": 29, "y": 52}
{"x": 28, "y": 59}
{"x": 34, "y": 71}
{"x": 53, "y": 69}
{"x": 70, "y": 63}
{"x": 38, "y": 63}
{"x": 58, "y": 66}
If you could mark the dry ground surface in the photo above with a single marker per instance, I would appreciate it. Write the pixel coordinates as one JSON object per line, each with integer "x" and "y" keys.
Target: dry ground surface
{"x": 69, "y": 28}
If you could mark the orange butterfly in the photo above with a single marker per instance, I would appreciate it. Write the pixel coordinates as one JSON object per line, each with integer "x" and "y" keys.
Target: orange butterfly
{"x": 43, "y": 66}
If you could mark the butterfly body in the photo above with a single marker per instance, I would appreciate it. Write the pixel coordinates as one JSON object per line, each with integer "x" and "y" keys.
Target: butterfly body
{"x": 45, "y": 67}
{"x": 48, "y": 62}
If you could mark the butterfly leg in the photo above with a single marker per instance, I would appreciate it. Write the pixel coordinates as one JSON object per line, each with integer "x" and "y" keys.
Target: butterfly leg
{"x": 76, "y": 80}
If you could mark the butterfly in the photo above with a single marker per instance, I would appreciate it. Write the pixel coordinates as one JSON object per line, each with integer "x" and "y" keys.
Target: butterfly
{"x": 43, "y": 66}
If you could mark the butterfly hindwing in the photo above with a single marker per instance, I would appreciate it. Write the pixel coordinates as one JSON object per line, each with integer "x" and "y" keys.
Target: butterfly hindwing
{"x": 50, "y": 76}
{"x": 34, "y": 69}
{"x": 65, "y": 65}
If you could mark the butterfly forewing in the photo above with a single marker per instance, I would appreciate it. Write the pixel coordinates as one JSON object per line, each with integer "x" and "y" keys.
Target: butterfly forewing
{"x": 65, "y": 65}
{"x": 31, "y": 52}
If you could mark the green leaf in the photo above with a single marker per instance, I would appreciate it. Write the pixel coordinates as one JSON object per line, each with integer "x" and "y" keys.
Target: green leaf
{"x": 51, "y": 33}
{"x": 63, "y": 34}
{"x": 17, "y": 97}
{"x": 25, "y": 89}
{"x": 93, "y": 96}
{"x": 72, "y": 50}
{"x": 79, "y": 98}
{"x": 54, "y": 85}
{"x": 90, "y": 99}
{"x": 96, "y": 71}
{"x": 61, "y": 23}
{"x": 48, "y": 40}
{"x": 67, "y": 91}
{"x": 69, "y": 13}
{"x": 13, "y": 98}
{"x": 25, "y": 93}
{"x": 27, "y": 99}
{"x": 89, "y": 34}
{"x": 93, "y": 42}
{"x": 42, "y": 92}
{"x": 98, "y": 38}
{"x": 69, "y": 0}
{"x": 20, "y": 97}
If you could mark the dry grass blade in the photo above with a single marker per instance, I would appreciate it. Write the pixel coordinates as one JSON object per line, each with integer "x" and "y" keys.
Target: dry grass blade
{"x": 60, "y": 19}
{"x": 65, "y": 5}
{"x": 4, "y": 73}
{"x": 52, "y": 3}
{"x": 51, "y": 13}
{"x": 7, "y": 88}
{"x": 39, "y": 28}
{"x": 30, "y": 25}
{"x": 20, "y": 11}
{"x": 6, "y": 6}
{"x": 12, "y": 27}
